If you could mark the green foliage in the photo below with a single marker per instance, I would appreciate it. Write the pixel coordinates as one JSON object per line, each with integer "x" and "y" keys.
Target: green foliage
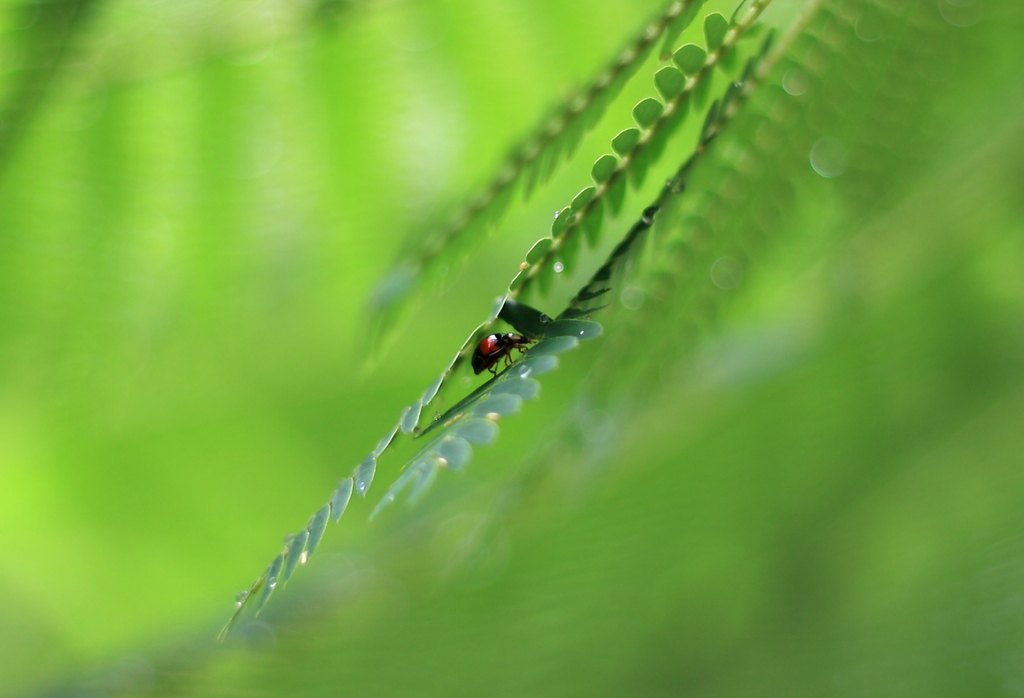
{"x": 503, "y": 395}
{"x": 690, "y": 58}
{"x": 715, "y": 28}
{"x": 532, "y": 162}
{"x": 807, "y": 366}
{"x": 658, "y": 123}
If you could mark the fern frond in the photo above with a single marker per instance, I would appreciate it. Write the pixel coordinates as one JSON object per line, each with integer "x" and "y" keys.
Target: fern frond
{"x": 830, "y": 83}
{"x": 532, "y": 162}
{"x": 638, "y": 148}
{"x": 736, "y": 183}
{"x": 472, "y": 421}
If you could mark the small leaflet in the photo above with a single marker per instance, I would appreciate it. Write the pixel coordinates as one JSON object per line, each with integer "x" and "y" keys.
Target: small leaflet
{"x": 341, "y": 498}
{"x": 364, "y": 474}
{"x": 316, "y": 529}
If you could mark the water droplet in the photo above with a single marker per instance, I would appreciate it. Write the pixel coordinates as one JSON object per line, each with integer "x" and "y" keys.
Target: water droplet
{"x": 557, "y": 212}
{"x": 241, "y": 596}
{"x": 828, "y": 157}
{"x": 649, "y": 214}
{"x": 303, "y": 557}
{"x": 795, "y": 82}
{"x": 544, "y": 318}
{"x": 726, "y": 273}
{"x": 558, "y": 267}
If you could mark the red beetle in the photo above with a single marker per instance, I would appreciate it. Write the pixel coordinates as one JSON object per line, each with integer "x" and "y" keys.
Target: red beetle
{"x": 494, "y": 347}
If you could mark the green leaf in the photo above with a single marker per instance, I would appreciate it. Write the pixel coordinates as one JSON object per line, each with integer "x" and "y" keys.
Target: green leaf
{"x": 580, "y": 329}
{"x": 425, "y": 476}
{"x": 562, "y": 220}
{"x": 582, "y": 199}
{"x": 715, "y": 28}
{"x": 545, "y": 278}
{"x": 755, "y": 30}
{"x": 603, "y": 168}
{"x": 593, "y": 223}
{"x": 411, "y": 417}
{"x": 727, "y": 60}
{"x": 590, "y": 295}
{"x": 554, "y": 345}
{"x": 670, "y": 83}
{"x": 638, "y": 167}
{"x": 539, "y": 249}
{"x": 524, "y": 319}
{"x": 364, "y": 475}
{"x": 700, "y": 93}
{"x": 647, "y": 112}
{"x": 678, "y": 25}
{"x": 518, "y": 281}
{"x": 526, "y": 388}
{"x": 387, "y": 499}
{"x": 626, "y": 140}
{"x": 709, "y": 121}
{"x": 736, "y": 13}
{"x": 480, "y": 431}
{"x": 530, "y": 172}
{"x": 766, "y": 44}
{"x": 536, "y": 365}
{"x": 570, "y": 251}
{"x": 316, "y": 529}
{"x": 572, "y": 135}
{"x": 616, "y": 195}
{"x": 674, "y": 122}
{"x": 400, "y": 484}
{"x": 268, "y": 587}
{"x": 575, "y": 313}
{"x": 690, "y": 58}
{"x": 431, "y": 391}
{"x": 730, "y": 94}
{"x": 501, "y": 404}
{"x": 455, "y": 450}
{"x": 295, "y": 548}
{"x": 499, "y": 303}
{"x": 384, "y": 443}
{"x": 341, "y": 497}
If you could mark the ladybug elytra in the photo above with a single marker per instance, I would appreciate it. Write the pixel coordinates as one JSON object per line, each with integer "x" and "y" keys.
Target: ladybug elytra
{"x": 494, "y": 347}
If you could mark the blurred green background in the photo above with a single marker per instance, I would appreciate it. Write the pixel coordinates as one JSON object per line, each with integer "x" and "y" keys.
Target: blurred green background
{"x": 815, "y": 490}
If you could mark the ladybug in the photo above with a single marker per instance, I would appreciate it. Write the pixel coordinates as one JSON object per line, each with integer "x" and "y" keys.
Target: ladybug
{"x": 494, "y": 347}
